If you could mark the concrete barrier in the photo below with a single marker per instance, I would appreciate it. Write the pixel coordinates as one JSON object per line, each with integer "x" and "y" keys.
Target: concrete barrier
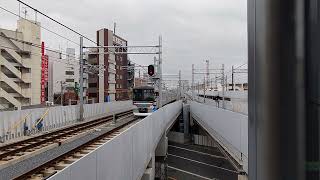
{"x": 127, "y": 155}
{"x": 230, "y": 129}
{"x": 12, "y": 123}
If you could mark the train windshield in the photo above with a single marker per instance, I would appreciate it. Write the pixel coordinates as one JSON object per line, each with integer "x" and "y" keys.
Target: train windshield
{"x": 143, "y": 95}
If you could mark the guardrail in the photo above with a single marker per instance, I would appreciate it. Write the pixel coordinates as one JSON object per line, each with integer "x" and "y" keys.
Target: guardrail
{"x": 15, "y": 124}
{"x": 230, "y": 129}
{"x": 126, "y": 156}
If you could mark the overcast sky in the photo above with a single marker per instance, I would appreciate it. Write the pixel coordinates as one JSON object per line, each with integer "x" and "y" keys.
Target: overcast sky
{"x": 192, "y": 30}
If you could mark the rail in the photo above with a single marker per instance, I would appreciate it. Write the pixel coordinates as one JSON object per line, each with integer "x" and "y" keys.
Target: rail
{"x": 20, "y": 148}
{"x": 58, "y": 164}
{"x": 59, "y": 116}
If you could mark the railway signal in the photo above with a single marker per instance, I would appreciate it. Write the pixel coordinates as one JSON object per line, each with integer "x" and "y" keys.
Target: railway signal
{"x": 151, "y": 70}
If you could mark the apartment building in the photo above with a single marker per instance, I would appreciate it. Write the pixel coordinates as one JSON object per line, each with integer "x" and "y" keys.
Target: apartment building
{"x": 110, "y": 82}
{"x": 20, "y": 65}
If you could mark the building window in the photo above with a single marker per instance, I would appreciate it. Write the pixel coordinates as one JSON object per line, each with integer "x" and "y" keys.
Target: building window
{"x": 69, "y": 72}
{"x": 92, "y": 85}
{"x": 120, "y": 76}
{"x": 93, "y": 95}
{"x": 69, "y": 88}
{"x": 69, "y": 80}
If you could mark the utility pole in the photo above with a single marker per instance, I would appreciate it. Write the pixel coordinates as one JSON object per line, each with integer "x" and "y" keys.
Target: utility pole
{"x": 61, "y": 93}
{"x": 160, "y": 72}
{"x": 155, "y": 63}
{"x": 198, "y": 89}
{"x": 223, "y": 86}
{"x": 227, "y": 85}
{"x": 192, "y": 83}
{"x": 216, "y": 82}
{"x": 204, "y": 89}
{"x": 81, "y": 79}
{"x": 232, "y": 79}
{"x": 179, "y": 84}
{"x": 207, "y": 71}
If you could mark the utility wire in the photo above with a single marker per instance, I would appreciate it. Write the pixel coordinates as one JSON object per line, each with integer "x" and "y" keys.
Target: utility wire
{"x": 47, "y": 29}
{"x": 37, "y": 45}
{"x": 37, "y": 11}
{"x": 39, "y": 54}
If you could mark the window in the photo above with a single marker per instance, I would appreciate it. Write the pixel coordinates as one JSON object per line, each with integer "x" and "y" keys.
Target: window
{"x": 92, "y": 85}
{"x": 120, "y": 76}
{"x": 69, "y": 88}
{"x": 69, "y": 72}
{"x": 69, "y": 80}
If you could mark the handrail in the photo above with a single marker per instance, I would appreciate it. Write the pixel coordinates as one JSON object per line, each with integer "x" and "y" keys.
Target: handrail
{"x": 42, "y": 117}
{"x": 15, "y": 125}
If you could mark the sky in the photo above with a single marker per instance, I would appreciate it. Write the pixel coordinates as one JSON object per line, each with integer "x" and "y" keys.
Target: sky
{"x": 192, "y": 31}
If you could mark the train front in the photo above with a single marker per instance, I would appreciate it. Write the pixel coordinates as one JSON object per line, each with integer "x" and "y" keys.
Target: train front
{"x": 144, "y": 100}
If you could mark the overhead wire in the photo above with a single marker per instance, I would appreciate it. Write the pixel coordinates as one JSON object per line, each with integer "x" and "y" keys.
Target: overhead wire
{"x": 1, "y": 7}
{"x": 38, "y": 46}
{"x": 61, "y": 24}
{"x": 39, "y": 54}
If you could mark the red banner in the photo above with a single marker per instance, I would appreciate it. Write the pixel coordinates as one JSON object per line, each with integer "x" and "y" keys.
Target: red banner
{"x": 44, "y": 73}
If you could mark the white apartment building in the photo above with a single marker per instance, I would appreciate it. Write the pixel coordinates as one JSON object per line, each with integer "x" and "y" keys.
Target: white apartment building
{"x": 20, "y": 65}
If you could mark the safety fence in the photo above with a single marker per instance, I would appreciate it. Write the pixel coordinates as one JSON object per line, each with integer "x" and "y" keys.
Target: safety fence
{"x": 19, "y": 123}
{"x": 230, "y": 129}
{"x": 126, "y": 156}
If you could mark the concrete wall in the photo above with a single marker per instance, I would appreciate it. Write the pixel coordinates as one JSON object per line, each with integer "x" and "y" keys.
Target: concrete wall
{"x": 230, "y": 129}
{"x": 127, "y": 155}
{"x": 11, "y": 122}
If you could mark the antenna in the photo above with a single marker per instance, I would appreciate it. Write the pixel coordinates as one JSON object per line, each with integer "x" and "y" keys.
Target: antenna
{"x": 114, "y": 27}
{"x": 25, "y": 12}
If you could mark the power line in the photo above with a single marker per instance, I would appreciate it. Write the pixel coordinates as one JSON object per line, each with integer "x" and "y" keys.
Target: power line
{"x": 37, "y": 11}
{"x": 37, "y": 45}
{"x": 35, "y": 54}
{"x": 40, "y": 26}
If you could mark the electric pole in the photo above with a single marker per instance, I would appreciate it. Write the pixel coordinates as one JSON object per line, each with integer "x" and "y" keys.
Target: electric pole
{"x": 81, "y": 79}
{"x": 204, "y": 89}
{"x": 61, "y": 93}
{"x": 192, "y": 83}
{"x": 160, "y": 72}
{"x": 223, "y": 86}
{"x": 198, "y": 89}
{"x": 179, "y": 84}
{"x": 232, "y": 79}
{"x": 227, "y": 86}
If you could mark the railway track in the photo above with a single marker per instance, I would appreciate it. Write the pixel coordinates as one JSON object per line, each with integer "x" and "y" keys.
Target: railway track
{"x": 26, "y": 147}
{"x": 52, "y": 167}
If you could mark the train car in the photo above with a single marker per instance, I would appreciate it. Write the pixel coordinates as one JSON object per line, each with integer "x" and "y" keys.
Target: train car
{"x": 144, "y": 98}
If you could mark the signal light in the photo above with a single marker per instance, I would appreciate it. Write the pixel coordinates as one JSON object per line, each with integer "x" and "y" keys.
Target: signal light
{"x": 151, "y": 70}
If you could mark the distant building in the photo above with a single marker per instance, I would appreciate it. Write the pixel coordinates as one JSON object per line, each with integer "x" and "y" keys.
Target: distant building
{"x": 20, "y": 65}
{"x": 63, "y": 73}
{"x": 138, "y": 82}
{"x": 111, "y": 81}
